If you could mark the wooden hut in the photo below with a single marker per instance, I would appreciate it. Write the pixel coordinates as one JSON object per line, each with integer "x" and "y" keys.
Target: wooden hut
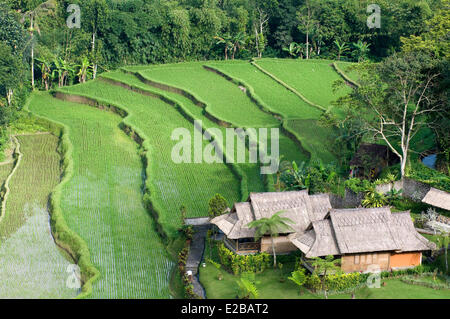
{"x": 370, "y": 159}
{"x": 298, "y": 206}
{"x": 365, "y": 239}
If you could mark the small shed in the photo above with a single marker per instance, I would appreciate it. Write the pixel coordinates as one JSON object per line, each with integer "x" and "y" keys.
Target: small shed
{"x": 370, "y": 159}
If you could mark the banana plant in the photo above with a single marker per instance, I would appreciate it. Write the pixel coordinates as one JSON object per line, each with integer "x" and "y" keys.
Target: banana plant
{"x": 293, "y": 49}
{"x": 227, "y": 42}
{"x": 361, "y": 50}
{"x": 342, "y": 47}
{"x": 84, "y": 70}
{"x": 63, "y": 70}
{"x": 46, "y": 72}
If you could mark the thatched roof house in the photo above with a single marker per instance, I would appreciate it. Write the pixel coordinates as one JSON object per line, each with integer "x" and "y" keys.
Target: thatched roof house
{"x": 298, "y": 206}
{"x": 361, "y": 237}
{"x": 390, "y": 238}
{"x": 437, "y": 198}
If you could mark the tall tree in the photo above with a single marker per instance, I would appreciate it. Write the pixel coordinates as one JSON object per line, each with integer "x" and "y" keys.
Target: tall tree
{"x": 32, "y": 16}
{"x": 307, "y": 16}
{"x": 10, "y": 72}
{"x": 263, "y": 10}
{"x": 396, "y": 99}
{"x": 95, "y": 15}
{"x": 272, "y": 226}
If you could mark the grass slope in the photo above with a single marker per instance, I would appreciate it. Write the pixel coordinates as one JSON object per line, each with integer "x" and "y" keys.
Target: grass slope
{"x": 224, "y": 100}
{"x": 255, "y": 182}
{"x": 314, "y": 79}
{"x": 103, "y": 202}
{"x": 301, "y": 117}
{"x": 31, "y": 265}
{"x": 315, "y": 138}
{"x": 276, "y": 96}
{"x": 173, "y": 185}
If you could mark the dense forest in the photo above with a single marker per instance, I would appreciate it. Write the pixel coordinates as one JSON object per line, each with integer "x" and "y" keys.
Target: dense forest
{"x": 48, "y": 44}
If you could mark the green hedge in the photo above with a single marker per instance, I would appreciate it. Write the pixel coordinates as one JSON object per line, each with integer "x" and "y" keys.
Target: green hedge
{"x": 336, "y": 282}
{"x": 243, "y": 263}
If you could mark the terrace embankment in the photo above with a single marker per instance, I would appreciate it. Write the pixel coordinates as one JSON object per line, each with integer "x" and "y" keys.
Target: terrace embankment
{"x": 250, "y": 92}
{"x": 27, "y": 241}
{"x": 131, "y": 132}
{"x": 101, "y": 200}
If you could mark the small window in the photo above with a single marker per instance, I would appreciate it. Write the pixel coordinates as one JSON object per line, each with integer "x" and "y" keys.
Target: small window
{"x": 374, "y": 258}
{"x": 369, "y": 259}
{"x": 356, "y": 259}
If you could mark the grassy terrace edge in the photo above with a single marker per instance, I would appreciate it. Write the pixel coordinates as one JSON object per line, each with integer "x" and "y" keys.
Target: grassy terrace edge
{"x": 345, "y": 76}
{"x": 136, "y": 135}
{"x": 179, "y": 106}
{"x": 235, "y": 169}
{"x": 250, "y": 91}
{"x": 64, "y": 237}
{"x": 5, "y": 186}
{"x": 320, "y": 107}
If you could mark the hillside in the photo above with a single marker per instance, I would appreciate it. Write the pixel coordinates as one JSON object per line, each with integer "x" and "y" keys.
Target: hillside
{"x": 102, "y": 201}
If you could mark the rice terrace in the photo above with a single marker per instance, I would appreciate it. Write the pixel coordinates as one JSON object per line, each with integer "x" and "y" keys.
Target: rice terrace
{"x": 303, "y": 150}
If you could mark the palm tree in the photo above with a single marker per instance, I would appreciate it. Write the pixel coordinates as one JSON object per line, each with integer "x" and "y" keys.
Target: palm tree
{"x": 342, "y": 47}
{"x": 271, "y": 226}
{"x": 324, "y": 266}
{"x": 33, "y": 16}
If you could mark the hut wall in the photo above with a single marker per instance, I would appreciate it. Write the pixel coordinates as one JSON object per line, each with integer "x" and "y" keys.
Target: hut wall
{"x": 282, "y": 245}
{"x": 365, "y": 262}
{"x": 405, "y": 260}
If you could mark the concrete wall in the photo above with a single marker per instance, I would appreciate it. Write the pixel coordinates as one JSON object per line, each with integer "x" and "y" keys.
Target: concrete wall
{"x": 411, "y": 189}
{"x": 282, "y": 245}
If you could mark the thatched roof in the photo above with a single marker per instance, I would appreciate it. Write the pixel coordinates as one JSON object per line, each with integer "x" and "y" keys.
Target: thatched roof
{"x": 437, "y": 198}
{"x": 361, "y": 230}
{"x": 298, "y": 206}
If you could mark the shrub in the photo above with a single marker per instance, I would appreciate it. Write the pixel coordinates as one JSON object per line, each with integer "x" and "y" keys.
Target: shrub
{"x": 357, "y": 185}
{"x": 421, "y": 173}
{"x": 336, "y": 282}
{"x": 374, "y": 199}
{"x": 238, "y": 264}
{"x": 217, "y": 206}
